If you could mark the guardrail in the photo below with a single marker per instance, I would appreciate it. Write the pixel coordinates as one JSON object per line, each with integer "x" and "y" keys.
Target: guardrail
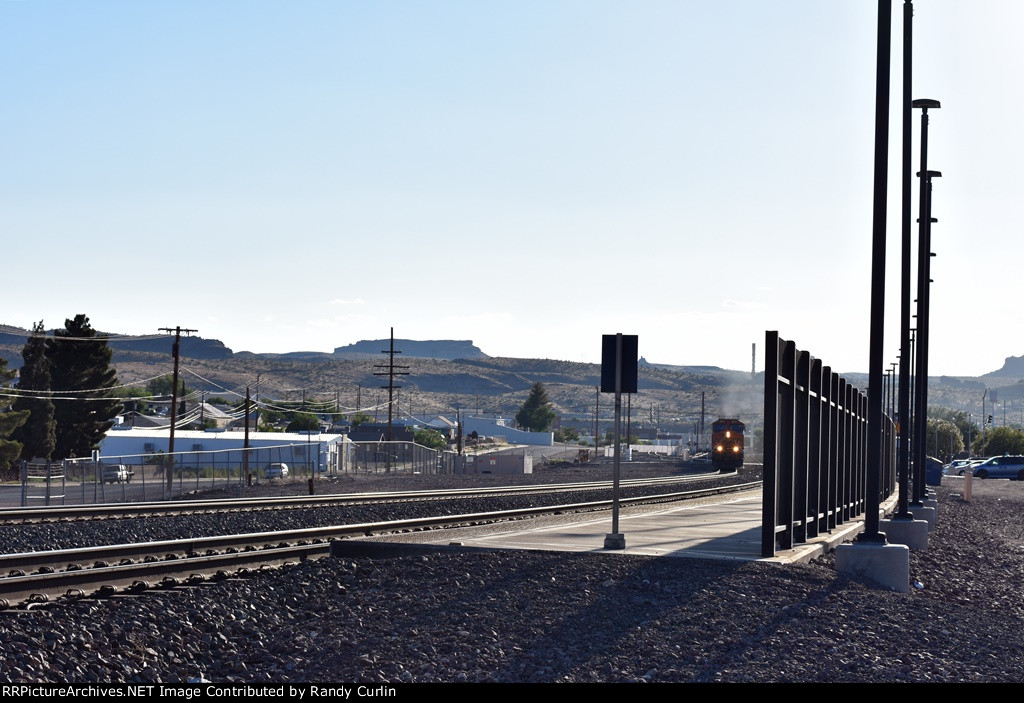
{"x": 815, "y": 448}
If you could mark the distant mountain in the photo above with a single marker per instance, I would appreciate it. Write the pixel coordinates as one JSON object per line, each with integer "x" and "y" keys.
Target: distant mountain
{"x": 430, "y": 349}
{"x": 191, "y": 347}
{"x": 195, "y": 347}
{"x": 12, "y": 339}
{"x": 1013, "y": 368}
{"x": 287, "y": 356}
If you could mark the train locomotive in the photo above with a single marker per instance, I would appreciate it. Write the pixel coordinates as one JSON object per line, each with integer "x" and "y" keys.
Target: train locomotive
{"x": 727, "y": 444}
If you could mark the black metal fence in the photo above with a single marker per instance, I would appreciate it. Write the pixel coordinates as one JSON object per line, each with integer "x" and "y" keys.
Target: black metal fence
{"x": 815, "y": 448}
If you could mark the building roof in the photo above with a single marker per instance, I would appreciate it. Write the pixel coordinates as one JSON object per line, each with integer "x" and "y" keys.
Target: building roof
{"x": 227, "y": 435}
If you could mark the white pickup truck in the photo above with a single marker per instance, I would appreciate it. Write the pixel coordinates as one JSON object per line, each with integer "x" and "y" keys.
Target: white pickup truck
{"x": 117, "y": 473}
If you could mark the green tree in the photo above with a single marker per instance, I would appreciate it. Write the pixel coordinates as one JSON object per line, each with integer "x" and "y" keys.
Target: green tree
{"x": 81, "y": 368}
{"x": 38, "y": 435}
{"x": 567, "y": 434}
{"x": 536, "y": 414}
{"x": 609, "y": 438}
{"x": 1001, "y": 440}
{"x": 359, "y": 419}
{"x": 943, "y": 440}
{"x": 164, "y": 385}
{"x": 134, "y": 392}
{"x": 10, "y": 421}
{"x": 431, "y": 438}
{"x": 968, "y": 429}
{"x": 303, "y": 422}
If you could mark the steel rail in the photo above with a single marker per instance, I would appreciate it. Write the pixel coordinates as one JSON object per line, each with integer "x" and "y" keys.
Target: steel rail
{"x": 135, "y": 567}
{"x": 151, "y": 508}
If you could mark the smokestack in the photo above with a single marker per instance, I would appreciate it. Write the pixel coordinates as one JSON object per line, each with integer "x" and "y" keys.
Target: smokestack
{"x": 753, "y": 356}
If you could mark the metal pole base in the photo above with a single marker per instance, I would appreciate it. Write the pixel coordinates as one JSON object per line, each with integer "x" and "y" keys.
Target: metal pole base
{"x": 614, "y": 540}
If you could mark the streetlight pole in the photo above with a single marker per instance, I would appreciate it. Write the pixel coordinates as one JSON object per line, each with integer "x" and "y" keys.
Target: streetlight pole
{"x": 924, "y": 255}
{"x": 873, "y": 480}
{"x": 923, "y": 273}
{"x": 906, "y": 355}
{"x": 892, "y": 387}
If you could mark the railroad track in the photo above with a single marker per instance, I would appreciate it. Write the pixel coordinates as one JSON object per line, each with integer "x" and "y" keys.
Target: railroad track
{"x": 104, "y": 511}
{"x": 40, "y": 577}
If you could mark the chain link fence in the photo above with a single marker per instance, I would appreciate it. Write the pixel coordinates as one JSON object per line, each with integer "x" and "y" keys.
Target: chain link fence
{"x": 159, "y": 476}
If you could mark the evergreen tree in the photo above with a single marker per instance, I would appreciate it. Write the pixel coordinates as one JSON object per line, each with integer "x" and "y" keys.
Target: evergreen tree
{"x": 80, "y": 364}
{"x": 536, "y": 413}
{"x": 9, "y": 422}
{"x": 39, "y": 433}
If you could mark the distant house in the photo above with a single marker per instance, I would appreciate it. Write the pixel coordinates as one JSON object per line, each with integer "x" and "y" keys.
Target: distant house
{"x": 378, "y": 431}
{"x": 445, "y": 426}
{"x": 486, "y": 427}
{"x": 203, "y": 412}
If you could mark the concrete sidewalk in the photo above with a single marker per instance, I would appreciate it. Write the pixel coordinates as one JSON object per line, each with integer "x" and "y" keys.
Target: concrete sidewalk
{"x": 728, "y": 530}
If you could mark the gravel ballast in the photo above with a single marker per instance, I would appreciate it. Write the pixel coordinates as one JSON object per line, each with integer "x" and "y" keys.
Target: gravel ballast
{"x": 521, "y": 616}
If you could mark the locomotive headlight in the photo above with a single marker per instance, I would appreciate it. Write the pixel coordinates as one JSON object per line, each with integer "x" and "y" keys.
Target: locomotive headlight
{"x": 728, "y": 434}
{"x": 719, "y": 448}
{"x": 736, "y": 450}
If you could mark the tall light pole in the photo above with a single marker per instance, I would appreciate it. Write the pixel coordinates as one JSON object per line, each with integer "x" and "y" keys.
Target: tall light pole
{"x": 903, "y": 401}
{"x": 924, "y": 220}
{"x": 873, "y": 480}
{"x": 892, "y": 386}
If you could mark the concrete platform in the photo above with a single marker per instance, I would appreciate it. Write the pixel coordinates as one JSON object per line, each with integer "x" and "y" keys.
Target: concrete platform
{"x": 729, "y": 530}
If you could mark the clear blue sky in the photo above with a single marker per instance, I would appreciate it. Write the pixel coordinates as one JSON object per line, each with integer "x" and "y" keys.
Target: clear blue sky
{"x": 300, "y": 175}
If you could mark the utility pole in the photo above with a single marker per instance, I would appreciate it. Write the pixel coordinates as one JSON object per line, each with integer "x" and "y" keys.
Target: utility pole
{"x": 390, "y": 373}
{"x": 255, "y": 406}
{"x": 175, "y": 352}
{"x": 245, "y": 448}
{"x": 700, "y": 437}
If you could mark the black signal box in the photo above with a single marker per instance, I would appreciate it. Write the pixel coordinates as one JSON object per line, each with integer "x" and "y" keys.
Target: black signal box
{"x": 627, "y": 363}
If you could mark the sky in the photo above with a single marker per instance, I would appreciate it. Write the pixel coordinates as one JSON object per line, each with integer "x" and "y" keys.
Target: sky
{"x": 289, "y": 175}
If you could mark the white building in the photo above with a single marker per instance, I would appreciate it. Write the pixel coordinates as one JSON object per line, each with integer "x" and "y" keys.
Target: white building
{"x": 328, "y": 452}
{"x": 485, "y": 427}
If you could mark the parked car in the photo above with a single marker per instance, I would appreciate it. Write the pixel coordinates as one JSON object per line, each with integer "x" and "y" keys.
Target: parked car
{"x": 962, "y": 469}
{"x": 958, "y": 467}
{"x": 1006, "y": 466}
{"x": 116, "y": 473}
{"x": 276, "y": 470}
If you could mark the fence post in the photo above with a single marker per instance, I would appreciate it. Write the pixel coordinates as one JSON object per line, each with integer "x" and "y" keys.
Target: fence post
{"x": 832, "y": 489}
{"x": 769, "y": 489}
